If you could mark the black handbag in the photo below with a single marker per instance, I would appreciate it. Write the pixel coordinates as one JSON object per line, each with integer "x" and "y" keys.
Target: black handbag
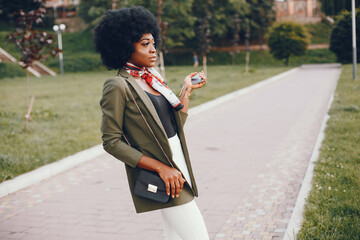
{"x": 149, "y": 184}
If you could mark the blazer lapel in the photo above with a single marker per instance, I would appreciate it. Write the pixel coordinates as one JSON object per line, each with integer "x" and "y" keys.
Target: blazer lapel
{"x": 146, "y": 100}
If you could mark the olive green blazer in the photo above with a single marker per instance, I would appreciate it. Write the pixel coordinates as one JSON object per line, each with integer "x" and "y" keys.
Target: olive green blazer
{"x": 120, "y": 116}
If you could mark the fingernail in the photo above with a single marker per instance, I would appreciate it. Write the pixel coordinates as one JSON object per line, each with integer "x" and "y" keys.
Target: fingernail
{"x": 177, "y": 195}
{"x": 173, "y": 196}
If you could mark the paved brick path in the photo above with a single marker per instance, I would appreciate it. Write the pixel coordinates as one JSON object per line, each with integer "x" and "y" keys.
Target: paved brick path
{"x": 249, "y": 155}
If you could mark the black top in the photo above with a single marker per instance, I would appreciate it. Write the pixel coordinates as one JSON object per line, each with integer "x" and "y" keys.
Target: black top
{"x": 165, "y": 112}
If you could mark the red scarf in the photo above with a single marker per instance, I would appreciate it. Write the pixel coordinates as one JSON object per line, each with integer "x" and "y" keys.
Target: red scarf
{"x": 154, "y": 80}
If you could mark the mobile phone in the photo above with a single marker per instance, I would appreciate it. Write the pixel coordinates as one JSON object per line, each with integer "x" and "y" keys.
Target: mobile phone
{"x": 197, "y": 79}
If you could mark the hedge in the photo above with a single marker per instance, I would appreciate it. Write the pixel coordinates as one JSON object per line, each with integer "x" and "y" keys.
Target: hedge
{"x": 77, "y": 63}
{"x": 8, "y": 69}
{"x": 341, "y": 37}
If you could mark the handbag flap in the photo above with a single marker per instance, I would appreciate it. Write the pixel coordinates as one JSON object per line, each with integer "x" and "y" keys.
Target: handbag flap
{"x": 148, "y": 177}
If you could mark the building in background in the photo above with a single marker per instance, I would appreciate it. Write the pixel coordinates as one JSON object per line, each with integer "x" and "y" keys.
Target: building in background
{"x": 302, "y": 11}
{"x": 66, "y": 12}
{"x": 63, "y": 8}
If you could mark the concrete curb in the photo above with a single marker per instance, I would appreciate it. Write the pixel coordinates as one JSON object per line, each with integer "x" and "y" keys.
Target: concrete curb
{"x": 49, "y": 170}
{"x": 325, "y": 65}
{"x": 296, "y": 218}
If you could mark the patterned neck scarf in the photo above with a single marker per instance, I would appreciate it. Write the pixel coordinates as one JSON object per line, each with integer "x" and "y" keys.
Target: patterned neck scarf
{"x": 154, "y": 80}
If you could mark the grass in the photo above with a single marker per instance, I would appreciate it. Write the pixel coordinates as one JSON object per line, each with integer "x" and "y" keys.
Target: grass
{"x": 66, "y": 114}
{"x": 65, "y": 120}
{"x": 222, "y": 80}
{"x": 333, "y": 206}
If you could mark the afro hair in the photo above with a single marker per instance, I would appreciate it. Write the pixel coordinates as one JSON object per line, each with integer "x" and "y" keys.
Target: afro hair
{"x": 119, "y": 29}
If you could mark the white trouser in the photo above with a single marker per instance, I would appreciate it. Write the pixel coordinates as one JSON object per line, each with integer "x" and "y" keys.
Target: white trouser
{"x": 183, "y": 222}
{"x": 178, "y": 156}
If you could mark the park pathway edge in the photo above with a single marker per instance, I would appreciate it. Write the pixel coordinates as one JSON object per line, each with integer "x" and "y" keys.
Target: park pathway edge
{"x": 49, "y": 170}
{"x": 296, "y": 218}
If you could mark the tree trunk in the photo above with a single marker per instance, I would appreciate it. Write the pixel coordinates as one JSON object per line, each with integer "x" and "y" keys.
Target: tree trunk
{"x": 28, "y": 114}
{"x": 287, "y": 61}
{"x": 247, "y": 49}
{"x": 27, "y": 88}
{"x": 204, "y": 64}
{"x": 247, "y": 62}
{"x": 28, "y": 102}
{"x": 162, "y": 65}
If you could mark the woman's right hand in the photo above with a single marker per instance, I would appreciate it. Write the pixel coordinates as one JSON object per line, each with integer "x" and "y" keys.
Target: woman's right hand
{"x": 173, "y": 180}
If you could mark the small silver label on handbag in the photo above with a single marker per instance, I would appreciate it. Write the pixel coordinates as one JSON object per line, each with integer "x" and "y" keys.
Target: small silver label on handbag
{"x": 152, "y": 188}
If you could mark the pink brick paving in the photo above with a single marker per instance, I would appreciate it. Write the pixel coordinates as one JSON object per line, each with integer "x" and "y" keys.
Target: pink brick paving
{"x": 88, "y": 202}
{"x": 267, "y": 215}
{"x": 249, "y": 156}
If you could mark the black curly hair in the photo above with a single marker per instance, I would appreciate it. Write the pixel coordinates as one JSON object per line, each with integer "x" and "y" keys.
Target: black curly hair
{"x": 119, "y": 29}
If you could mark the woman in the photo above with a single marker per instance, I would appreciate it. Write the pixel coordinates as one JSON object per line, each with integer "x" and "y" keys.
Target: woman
{"x": 126, "y": 40}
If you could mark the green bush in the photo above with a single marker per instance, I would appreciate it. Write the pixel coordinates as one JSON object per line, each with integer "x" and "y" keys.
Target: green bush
{"x": 319, "y": 32}
{"x": 78, "y": 63}
{"x": 287, "y": 39}
{"x": 257, "y": 58}
{"x": 11, "y": 70}
{"x": 341, "y": 37}
{"x": 77, "y": 42}
{"x": 314, "y": 56}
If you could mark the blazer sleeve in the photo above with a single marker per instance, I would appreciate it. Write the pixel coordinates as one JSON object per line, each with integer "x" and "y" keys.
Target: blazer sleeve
{"x": 112, "y": 105}
{"x": 182, "y": 116}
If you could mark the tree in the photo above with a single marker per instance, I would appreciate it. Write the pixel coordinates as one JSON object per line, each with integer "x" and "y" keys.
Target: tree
{"x": 334, "y": 7}
{"x": 341, "y": 37}
{"x": 178, "y": 17}
{"x": 34, "y": 45}
{"x": 242, "y": 19}
{"x": 236, "y": 36}
{"x": 287, "y": 39}
{"x": 180, "y": 21}
{"x": 92, "y": 11}
{"x": 262, "y": 15}
{"x": 222, "y": 13}
{"x": 201, "y": 10}
{"x": 7, "y": 8}
{"x": 163, "y": 27}
{"x": 253, "y": 16}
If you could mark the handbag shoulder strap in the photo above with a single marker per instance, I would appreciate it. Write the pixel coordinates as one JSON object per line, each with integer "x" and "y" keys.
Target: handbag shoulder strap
{"x": 147, "y": 124}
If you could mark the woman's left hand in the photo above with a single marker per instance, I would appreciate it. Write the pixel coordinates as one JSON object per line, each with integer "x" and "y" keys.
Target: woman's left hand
{"x": 188, "y": 83}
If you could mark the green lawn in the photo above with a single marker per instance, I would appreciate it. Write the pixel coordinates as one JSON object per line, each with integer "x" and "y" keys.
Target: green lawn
{"x": 333, "y": 206}
{"x": 66, "y": 113}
